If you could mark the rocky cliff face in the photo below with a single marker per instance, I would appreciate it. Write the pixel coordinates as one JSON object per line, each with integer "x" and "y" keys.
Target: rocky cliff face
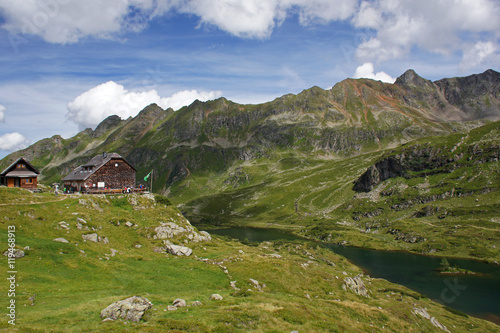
{"x": 427, "y": 159}
{"x": 353, "y": 117}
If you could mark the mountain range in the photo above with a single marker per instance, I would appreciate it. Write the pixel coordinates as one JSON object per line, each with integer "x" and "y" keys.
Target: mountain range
{"x": 354, "y": 117}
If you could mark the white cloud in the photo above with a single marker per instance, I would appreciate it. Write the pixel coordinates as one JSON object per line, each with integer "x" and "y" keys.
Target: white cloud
{"x": 367, "y": 71}
{"x": 67, "y": 21}
{"x": 2, "y": 113}
{"x": 110, "y": 98}
{"x": 13, "y": 141}
{"x": 440, "y": 27}
{"x": 477, "y": 54}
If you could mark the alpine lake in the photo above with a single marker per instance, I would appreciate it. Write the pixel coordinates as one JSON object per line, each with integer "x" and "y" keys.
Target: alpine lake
{"x": 474, "y": 294}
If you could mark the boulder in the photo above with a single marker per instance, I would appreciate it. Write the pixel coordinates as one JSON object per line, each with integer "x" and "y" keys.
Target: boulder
{"x": 132, "y": 308}
{"x": 80, "y": 220}
{"x": 15, "y": 253}
{"x": 61, "y": 240}
{"x": 178, "y": 250}
{"x": 91, "y": 237}
{"x": 129, "y": 224}
{"x": 179, "y": 303}
{"x": 197, "y": 303}
{"x": 169, "y": 230}
{"x": 216, "y": 297}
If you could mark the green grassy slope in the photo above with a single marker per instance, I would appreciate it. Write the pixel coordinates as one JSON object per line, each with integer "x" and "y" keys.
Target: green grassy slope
{"x": 70, "y": 283}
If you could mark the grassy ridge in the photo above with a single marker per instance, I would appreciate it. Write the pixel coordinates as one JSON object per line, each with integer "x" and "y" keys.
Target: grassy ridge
{"x": 72, "y": 282}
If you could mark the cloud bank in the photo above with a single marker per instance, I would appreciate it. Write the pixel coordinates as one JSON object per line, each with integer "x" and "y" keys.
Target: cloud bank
{"x": 366, "y": 71}
{"x": 110, "y": 98}
{"x": 391, "y": 29}
{"x": 13, "y": 141}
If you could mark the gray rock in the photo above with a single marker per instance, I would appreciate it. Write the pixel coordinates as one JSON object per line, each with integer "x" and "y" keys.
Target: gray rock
{"x": 179, "y": 302}
{"x": 423, "y": 313}
{"x": 197, "y": 303}
{"x": 61, "y": 240}
{"x": 216, "y": 297}
{"x": 132, "y": 308}
{"x": 178, "y": 250}
{"x": 356, "y": 285}
{"x": 80, "y": 220}
{"x": 169, "y": 230}
{"x": 91, "y": 237}
{"x": 15, "y": 253}
{"x": 129, "y": 224}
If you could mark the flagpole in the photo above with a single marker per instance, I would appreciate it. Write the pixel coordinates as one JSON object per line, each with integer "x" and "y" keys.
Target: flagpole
{"x": 151, "y": 181}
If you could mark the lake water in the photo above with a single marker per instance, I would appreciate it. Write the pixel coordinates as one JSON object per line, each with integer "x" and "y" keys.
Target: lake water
{"x": 477, "y": 295}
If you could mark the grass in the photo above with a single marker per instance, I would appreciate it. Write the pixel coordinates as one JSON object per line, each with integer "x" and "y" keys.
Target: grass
{"x": 72, "y": 282}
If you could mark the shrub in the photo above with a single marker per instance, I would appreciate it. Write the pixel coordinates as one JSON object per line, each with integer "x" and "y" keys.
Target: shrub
{"x": 163, "y": 200}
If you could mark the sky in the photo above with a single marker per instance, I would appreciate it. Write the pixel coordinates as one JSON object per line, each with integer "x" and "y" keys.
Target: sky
{"x": 66, "y": 65}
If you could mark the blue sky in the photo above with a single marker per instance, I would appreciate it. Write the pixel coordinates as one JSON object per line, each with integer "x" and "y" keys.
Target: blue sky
{"x": 68, "y": 64}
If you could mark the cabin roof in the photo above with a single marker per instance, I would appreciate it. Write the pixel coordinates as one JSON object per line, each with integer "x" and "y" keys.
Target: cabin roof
{"x": 21, "y": 174}
{"x": 9, "y": 171}
{"x": 96, "y": 163}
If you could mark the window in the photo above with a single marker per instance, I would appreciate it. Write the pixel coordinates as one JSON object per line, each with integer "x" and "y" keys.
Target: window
{"x": 21, "y": 166}
{"x": 29, "y": 181}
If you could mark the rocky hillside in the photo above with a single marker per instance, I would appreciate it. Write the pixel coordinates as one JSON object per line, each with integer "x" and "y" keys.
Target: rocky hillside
{"x": 354, "y": 117}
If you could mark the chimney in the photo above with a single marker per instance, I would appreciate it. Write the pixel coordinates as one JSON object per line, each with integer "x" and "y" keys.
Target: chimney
{"x": 104, "y": 155}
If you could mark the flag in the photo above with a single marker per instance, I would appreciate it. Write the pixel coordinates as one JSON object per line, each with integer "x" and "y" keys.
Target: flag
{"x": 146, "y": 178}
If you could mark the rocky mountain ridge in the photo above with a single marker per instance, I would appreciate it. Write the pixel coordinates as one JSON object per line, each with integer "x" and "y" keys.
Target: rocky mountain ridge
{"x": 354, "y": 117}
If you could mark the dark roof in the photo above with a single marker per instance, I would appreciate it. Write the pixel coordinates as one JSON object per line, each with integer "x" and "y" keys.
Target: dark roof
{"x": 13, "y": 167}
{"x": 96, "y": 163}
{"x": 21, "y": 174}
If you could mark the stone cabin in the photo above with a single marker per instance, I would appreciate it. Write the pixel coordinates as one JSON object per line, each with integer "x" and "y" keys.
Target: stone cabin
{"x": 106, "y": 171}
{"x": 20, "y": 174}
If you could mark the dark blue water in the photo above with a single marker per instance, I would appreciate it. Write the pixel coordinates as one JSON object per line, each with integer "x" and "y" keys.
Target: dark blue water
{"x": 477, "y": 295}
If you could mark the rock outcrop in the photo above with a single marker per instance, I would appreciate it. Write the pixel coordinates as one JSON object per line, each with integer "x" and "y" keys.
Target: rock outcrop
{"x": 423, "y": 313}
{"x": 178, "y": 250}
{"x": 132, "y": 308}
{"x": 169, "y": 230}
{"x": 356, "y": 285}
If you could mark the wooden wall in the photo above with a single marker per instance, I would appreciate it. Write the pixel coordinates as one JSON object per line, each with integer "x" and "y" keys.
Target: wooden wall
{"x": 115, "y": 174}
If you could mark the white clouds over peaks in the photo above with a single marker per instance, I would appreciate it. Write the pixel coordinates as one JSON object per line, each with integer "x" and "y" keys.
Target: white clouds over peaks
{"x": 110, "y": 98}
{"x": 2, "y": 113}
{"x": 367, "y": 71}
{"x": 477, "y": 54}
{"x": 437, "y": 26}
{"x": 13, "y": 141}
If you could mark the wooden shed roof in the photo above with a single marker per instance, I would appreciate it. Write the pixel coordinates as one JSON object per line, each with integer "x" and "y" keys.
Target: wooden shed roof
{"x": 9, "y": 171}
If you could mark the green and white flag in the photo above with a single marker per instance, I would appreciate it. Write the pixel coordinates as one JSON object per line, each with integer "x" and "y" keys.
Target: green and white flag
{"x": 146, "y": 178}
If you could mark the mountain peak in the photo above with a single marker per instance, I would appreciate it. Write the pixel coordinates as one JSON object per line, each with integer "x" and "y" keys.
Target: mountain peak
{"x": 410, "y": 77}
